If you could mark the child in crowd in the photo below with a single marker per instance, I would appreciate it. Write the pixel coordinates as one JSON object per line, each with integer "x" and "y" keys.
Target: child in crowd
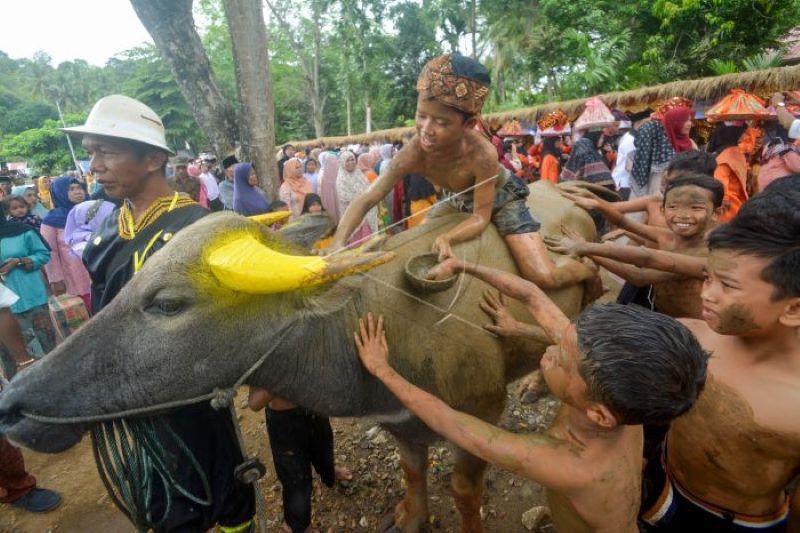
{"x": 689, "y": 163}
{"x": 691, "y": 207}
{"x": 19, "y": 211}
{"x": 728, "y": 463}
{"x": 312, "y": 204}
{"x": 32, "y": 199}
{"x": 613, "y": 369}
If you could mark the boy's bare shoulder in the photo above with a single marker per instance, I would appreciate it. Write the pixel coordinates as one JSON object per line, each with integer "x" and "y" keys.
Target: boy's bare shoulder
{"x": 482, "y": 155}
{"x": 409, "y": 159}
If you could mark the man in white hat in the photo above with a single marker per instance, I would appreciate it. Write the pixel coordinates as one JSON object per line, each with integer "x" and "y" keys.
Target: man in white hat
{"x": 125, "y": 141}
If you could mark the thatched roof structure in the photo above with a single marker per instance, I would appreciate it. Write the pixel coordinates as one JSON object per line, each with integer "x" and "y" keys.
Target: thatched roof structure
{"x": 761, "y": 82}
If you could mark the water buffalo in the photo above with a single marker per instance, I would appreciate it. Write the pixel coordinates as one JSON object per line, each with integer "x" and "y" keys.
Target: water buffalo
{"x": 185, "y": 325}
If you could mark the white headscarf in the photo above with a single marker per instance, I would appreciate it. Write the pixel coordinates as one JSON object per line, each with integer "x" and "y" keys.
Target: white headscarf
{"x": 351, "y": 185}
{"x": 387, "y": 151}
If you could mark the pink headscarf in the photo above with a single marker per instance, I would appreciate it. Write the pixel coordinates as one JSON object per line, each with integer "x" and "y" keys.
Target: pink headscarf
{"x": 327, "y": 186}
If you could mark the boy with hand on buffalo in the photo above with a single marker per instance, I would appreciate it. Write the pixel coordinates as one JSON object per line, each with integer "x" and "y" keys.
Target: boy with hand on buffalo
{"x": 455, "y": 157}
{"x": 727, "y": 464}
{"x": 691, "y": 207}
{"x": 614, "y": 369}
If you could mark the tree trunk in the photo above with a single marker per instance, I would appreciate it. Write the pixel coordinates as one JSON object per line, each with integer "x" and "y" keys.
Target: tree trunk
{"x": 473, "y": 17}
{"x": 318, "y": 99}
{"x": 349, "y": 114}
{"x": 368, "y": 114}
{"x": 171, "y": 26}
{"x": 256, "y": 111}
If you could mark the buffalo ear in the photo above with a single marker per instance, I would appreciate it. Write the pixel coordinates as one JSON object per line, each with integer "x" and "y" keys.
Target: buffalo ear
{"x": 304, "y": 231}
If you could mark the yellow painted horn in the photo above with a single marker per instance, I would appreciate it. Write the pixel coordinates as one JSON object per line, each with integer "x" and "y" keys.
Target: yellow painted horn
{"x": 247, "y": 265}
{"x": 269, "y": 219}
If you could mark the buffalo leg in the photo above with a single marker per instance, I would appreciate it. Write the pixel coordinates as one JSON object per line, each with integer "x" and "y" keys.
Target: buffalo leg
{"x": 411, "y": 513}
{"x": 467, "y": 485}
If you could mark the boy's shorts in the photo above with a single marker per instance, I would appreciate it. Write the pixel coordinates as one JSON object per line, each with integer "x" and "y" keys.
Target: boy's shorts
{"x": 510, "y": 214}
{"x": 669, "y": 507}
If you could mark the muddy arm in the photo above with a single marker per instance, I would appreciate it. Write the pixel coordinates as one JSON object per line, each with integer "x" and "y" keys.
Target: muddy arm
{"x": 541, "y": 307}
{"x": 641, "y": 277}
{"x": 359, "y": 207}
{"x": 685, "y": 265}
{"x": 546, "y": 460}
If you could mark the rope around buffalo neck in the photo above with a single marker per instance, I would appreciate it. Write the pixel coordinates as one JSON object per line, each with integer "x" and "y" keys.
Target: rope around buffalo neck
{"x": 133, "y": 462}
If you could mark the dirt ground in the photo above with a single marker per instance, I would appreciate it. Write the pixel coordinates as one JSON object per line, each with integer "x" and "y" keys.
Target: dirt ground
{"x": 360, "y": 506}
{"x": 368, "y": 451}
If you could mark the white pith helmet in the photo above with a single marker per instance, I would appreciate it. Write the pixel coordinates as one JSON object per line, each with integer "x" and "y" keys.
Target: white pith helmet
{"x": 124, "y": 118}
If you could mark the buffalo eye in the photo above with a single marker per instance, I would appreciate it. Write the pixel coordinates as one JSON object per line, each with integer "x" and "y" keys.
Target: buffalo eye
{"x": 167, "y": 307}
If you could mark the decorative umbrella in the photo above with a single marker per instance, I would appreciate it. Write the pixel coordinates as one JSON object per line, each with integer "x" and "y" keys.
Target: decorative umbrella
{"x": 738, "y": 105}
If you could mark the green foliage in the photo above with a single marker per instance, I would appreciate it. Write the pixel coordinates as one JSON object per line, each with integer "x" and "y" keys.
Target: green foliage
{"x": 371, "y": 52}
{"x": 45, "y": 148}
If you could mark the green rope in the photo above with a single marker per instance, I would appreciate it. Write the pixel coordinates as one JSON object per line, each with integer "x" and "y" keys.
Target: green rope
{"x": 133, "y": 461}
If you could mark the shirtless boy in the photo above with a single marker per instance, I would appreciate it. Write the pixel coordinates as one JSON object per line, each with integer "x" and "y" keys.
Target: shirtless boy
{"x": 691, "y": 207}
{"x": 453, "y": 156}
{"x": 613, "y": 369}
{"x": 727, "y": 463}
{"x": 689, "y": 163}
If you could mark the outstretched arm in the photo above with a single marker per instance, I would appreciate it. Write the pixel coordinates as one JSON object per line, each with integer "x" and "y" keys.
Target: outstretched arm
{"x": 552, "y": 320}
{"x": 616, "y": 217}
{"x": 640, "y": 277}
{"x": 358, "y": 208}
{"x": 545, "y": 459}
{"x": 685, "y": 265}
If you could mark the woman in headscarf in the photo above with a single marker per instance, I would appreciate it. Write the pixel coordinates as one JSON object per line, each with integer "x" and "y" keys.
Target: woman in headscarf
{"x": 731, "y": 165}
{"x": 367, "y": 163}
{"x": 585, "y": 162}
{"x": 22, "y": 255}
{"x": 656, "y": 144}
{"x": 248, "y": 198}
{"x": 327, "y": 183}
{"x": 43, "y": 186}
{"x": 65, "y": 271}
{"x": 387, "y": 153}
{"x": 350, "y": 184}
{"x": 295, "y": 186}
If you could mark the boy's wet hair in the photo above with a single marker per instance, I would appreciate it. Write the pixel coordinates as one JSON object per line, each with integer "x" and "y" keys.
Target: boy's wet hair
{"x": 647, "y": 368}
{"x": 692, "y": 162}
{"x": 767, "y": 226}
{"x": 698, "y": 180}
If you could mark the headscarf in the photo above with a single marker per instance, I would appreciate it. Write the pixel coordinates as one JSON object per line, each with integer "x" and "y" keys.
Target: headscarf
{"x": 310, "y": 200}
{"x": 59, "y": 192}
{"x": 387, "y": 153}
{"x": 366, "y": 162}
{"x": 351, "y": 185}
{"x": 44, "y": 192}
{"x": 247, "y": 200}
{"x": 298, "y": 184}
{"x": 327, "y": 184}
{"x": 674, "y": 119}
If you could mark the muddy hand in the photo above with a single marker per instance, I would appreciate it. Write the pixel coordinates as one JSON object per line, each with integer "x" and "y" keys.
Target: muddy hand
{"x": 503, "y": 323}
{"x": 371, "y": 343}
{"x": 444, "y": 270}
